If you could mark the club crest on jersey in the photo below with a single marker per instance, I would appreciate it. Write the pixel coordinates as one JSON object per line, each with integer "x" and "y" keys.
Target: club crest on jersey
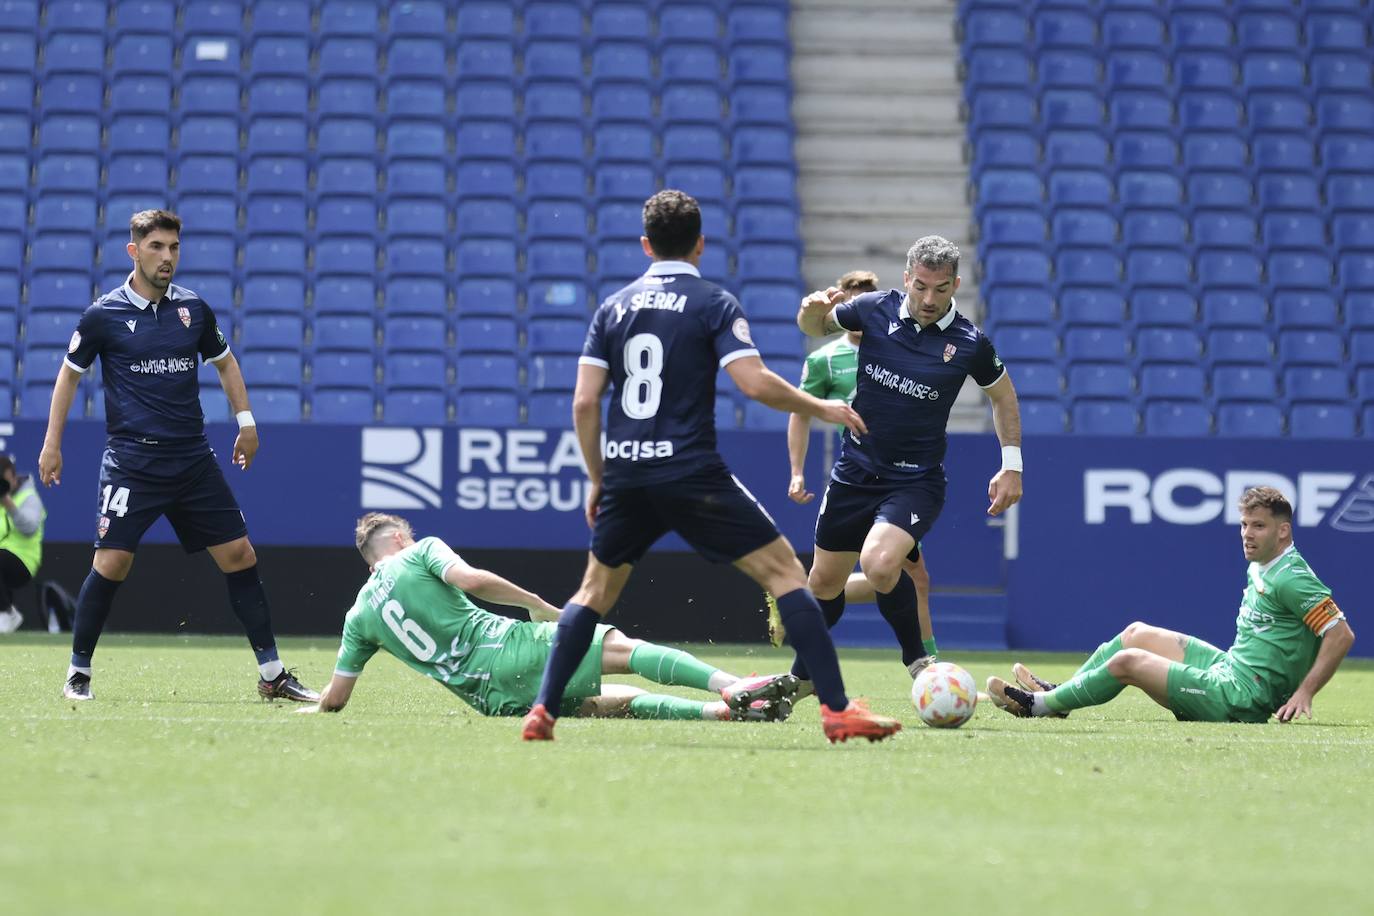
{"x": 103, "y": 526}
{"x": 185, "y": 315}
{"x": 75, "y": 342}
{"x": 950, "y": 350}
{"x": 741, "y": 331}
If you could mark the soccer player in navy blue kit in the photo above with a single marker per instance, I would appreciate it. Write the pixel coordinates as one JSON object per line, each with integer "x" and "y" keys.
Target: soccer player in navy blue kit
{"x": 888, "y": 486}
{"x": 148, "y": 334}
{"x": 659, "y": 343}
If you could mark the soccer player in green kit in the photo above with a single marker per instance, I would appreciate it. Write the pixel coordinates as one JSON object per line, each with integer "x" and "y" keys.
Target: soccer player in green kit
{"x": 415, "y": 606}
{"x": 1290, "y": 639}
{"x": 831, "y": 372}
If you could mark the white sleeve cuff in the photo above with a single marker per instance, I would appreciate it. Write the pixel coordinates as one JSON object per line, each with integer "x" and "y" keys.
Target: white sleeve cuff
{"x": 996, "y": 380}
{"x": 215, "y": 359}
{"x": 74, "y": 367}
{"x": 729, "y": 358}
{"x": 592, "y": 361}
{"x": 342, "y": 673}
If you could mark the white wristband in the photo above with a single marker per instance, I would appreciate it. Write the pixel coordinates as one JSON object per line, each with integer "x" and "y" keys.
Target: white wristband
{"x": 1011, "y": 458}
{"x": 245, "y": 418}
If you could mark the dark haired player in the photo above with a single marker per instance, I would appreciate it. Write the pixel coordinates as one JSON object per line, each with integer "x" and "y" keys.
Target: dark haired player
{"x": 888, "y": 486}
{"x": 1290, "y": 639}
{"x": 157, "y": 461}
{"x": 659, "y": 343}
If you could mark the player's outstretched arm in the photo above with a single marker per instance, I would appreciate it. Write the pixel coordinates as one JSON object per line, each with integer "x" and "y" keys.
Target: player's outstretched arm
{"x": 1336, "y": 642}
{"x": 488, "y": 586}
{"x": 1004, "y": 490}
{"x": 335, "y": 694}
{"x": 759, "y": 383}
{"x": 816, "y": 318}
{"x": 231, "y": 380}
{"x": 63, "y": 393}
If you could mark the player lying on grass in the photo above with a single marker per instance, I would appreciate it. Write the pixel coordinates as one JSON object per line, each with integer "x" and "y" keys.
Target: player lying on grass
{"x": 415, "y": 605}
{"x": 1290, "y": 639}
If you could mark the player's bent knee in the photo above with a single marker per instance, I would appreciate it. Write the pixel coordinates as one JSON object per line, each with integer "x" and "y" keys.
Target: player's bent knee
{"x": 881, "y": 568}
{"x": 1134, "y": 630}
{"x": 1125, "y": 663}
{"x": 113, "y": 564}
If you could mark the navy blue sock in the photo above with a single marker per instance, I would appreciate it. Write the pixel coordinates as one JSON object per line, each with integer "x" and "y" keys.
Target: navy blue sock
{"x": 898, "y": 608}
{"x": 832, "y": 609}
{"x": 93, "y": 604}
{"x": 249, "y": 601}
{"x": 576, "y": 627}
{"x": 811, "y": 638}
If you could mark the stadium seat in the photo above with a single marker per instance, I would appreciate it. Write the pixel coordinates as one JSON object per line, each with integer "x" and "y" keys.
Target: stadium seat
{"x": 1168, "y": 345}
{"x": 64, "y": 210}
{"x": 565, "y": 259}
{"x": 1006, "y": 108}
{"x": 1137, "y": 149}
{"x": 410, "y": 407}
{"x": 1249, "y": 420}
{"x": 1169, "y": 382}
{"x": 487, "y": 217}
{"x": 1299, "y": 270}
{"x": 343, "y": 405}
{"x": 1086, "y": 226}
{"x": 1321, "y": 421}
{"x": 760, "y": 417}
{"x": 1339, "y": 72}
{"x": 1158, "y": 267}
{"x": 474, "y": 99}
{"x": 1228, "y": 269}
{"x": 1165, "y": 418}
{"x": 1362, "y": 348}
{"x": 1061, "y": 69}
{"x": 415, "y": 296}
{"x": 553, "y": 142}
{"x": 348, "y": 18}
{"x": 1022, "y": 305}
{"x": 1252, "y": 347}
{"x": 1327, "y": 32}
{"x": 1083, "y": 267}
{"x": 620, "y": 61}
{"x": 1132, "y": 109}
{"x": 425, "y": 218}
{"x": 1310, "y": 348}
{"x": 414, "y": 334}
{"x": 1209, "y": 111}
{"x": 549, "y": 409}
{"x": 1104, "y": 418}
{"x": 274, "y": 293}
{"x": 1358, "y": 307}
{"x": 1317, "y": 384}
{"x": 610, "y": 102}
{"x": 1070, "y": 108}
{"x": 272, "y": 368}
{"x": 1244, "y": 383}
{"x": 1220, "y": 151}
{"x": 487, "y": 408}
{"x": 348, "y": 56}
{"x": 271, "y": 332}
{"x": 1008, "y": 187}
{"x": 688, "y": 143}
{"x": 478, "y": 371}
{"x": 1356, "y": 271}
{"x": 1025, "y": 342}
{"x": 770, "y": 146}
{"x": 1101, "y": 380}
{"x": 1153, "y": 228}
{"x": 1015, "y": 148}
{"x": 1345, "y": 112}
{"x": 1038, "y": 380}
{"x": 1283, "y": 152}
{"x": 1234, "y": 309}
{"x": 343, "y": 332}
{"x": 1296, "y": 230}
{"x": 556, "y": 335}
{"x": 1080, "y": 188}
{"x": 1278, "y": 111}
{"x": 1163, "y": 308}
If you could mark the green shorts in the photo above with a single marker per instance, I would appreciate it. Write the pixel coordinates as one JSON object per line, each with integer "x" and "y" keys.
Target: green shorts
{"x": 517, "y": 669}
{"x": 1205, "y": 687}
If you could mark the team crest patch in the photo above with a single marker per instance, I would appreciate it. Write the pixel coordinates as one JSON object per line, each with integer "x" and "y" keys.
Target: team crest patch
{"x": 950, "y": 350}
{"x": 741, "y": 330}
{"x": 103, "y": 526}
{"x": 75, "y": 342}
{"x": 184, "y": 314}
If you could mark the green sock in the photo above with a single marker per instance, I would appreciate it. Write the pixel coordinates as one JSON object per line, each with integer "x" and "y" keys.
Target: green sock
{"x": 1089, "y": 688}
{"x": 1104, "y": 652}
{"x": 929, "y": 645}
{"x": 663, "y": 665}
{"x": 658, "y": 706}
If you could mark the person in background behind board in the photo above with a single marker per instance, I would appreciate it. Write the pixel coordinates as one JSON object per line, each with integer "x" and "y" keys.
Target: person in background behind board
{"x": 21, "y": 539}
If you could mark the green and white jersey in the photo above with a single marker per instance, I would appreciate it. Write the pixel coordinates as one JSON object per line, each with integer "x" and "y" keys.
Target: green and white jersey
{"x": 832, "y": 372}
{"x": 408, "y": 609}
{"x": 1283, "y": 614}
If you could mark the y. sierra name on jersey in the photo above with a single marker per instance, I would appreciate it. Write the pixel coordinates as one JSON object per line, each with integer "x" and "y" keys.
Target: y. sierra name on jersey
{"x": 148, "y": 353}
{"x": 662, "y": 339}
{"x": 908, "y": 379}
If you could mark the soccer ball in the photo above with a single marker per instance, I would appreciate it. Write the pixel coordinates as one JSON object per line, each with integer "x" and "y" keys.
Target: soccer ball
{"x": 944, "y": 695}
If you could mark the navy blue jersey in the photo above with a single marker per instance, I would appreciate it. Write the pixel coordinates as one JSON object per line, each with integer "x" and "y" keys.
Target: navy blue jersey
{"x": 908, "y": 380}
{"x": 663, "y": 338}
{"x": 148, "y": 359}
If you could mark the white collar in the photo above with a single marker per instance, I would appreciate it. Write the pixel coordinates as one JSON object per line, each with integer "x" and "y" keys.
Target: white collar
{"x": 135, "y": 299}
{"x": 904, "y": 314}
{"x": 1270, "y": 565}
{"x": 668, "y": 268}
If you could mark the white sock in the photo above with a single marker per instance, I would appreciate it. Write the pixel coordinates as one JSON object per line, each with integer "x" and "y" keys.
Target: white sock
{"x": 72, "y": 669}
{"x": 271, "y": 670}
{"x": 720, "y": 680}
{"x": 1038, "y": 705}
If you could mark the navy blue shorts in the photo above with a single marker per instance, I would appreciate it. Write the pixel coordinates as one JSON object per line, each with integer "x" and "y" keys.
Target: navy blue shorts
{"x": 709, "y": 509}
{"x": 849, "y": 510}
{"x": 196, "y": 500}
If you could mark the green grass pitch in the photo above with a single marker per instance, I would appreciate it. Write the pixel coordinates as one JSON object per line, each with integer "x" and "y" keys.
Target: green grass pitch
{"x": 178, "y": 791}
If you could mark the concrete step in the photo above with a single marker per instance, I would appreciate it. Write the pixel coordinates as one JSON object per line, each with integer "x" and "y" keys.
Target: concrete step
{"x": 942, "y": 191}
{"x": 877, "y": 150}
{"x": 829, "y": 110}
{"x": 901, "y": 75}
{"x": 895, "y": 25}
{"x": 890, "y": 233}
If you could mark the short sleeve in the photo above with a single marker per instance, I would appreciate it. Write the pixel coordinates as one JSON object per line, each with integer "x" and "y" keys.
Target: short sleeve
{"x": 212, "y": 345}
{"x": 987, "y": 369}
{"x": 437, "y": 556}
{"x": 1308, "y": 598}
{"x": 355, "y": 649}
{"x": 850, "y": 315}
{"x": 87, "y": 341}
{"x": 815, "y": 379}
{"x": 730, "y": 331}
{"x": 594, "y": 348}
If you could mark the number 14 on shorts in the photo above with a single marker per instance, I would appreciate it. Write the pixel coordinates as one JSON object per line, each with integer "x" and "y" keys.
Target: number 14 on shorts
{"x": 116, "y": 501}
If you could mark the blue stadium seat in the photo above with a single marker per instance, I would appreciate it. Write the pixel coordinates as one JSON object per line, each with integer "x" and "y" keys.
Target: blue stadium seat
{"x": 1070, "y": 108}
{"x": 1321, "y": 421}
{"x": 475, "y": 99}
{"x": 343, "y": 405}
{"x": 1272, "y": 71}
{"x": 415, "y": 140}
{"x": 63, "y": 52}
{"x": 1009, "y": 187}
{"x": 621, "y": 61}
{"x": 486, "y": 140}
{"x": 760, "y": 417}
{"x": 416, "y": 296}
{"x": 20, "y": 15}
{"x": 1061, "y": 69}
{"x": 1153, "y": 228}
{"x": 1251, "y": 347}
{"x": 688, "y": 22}
{"x": 1345, "y": 112}
{"x": 766, "y": 223}
{"x": 1149, "y": 189}
{"x": 417, "y": 257}
{"x": 1084, "y": 267}
{"x": 71, "y": 93}
{"x": 1220, "y": 151}
{"x": 1158, "y": 267}
{"x": 762, "y": 146}
{"x": 212, "y": 17}
{"x": 563, "y": 101}
{"x": 770, "y": 300}
{"x": 1017, "y": 267}
{"x": 1362, "y": 348}
{"x": 1228, "y": 268}
{"x": 216, "y": 289}
{"x": 486, "y": 258}
{"x": 1080, "y": 188}
{"x": 762, "y": 185}
{"x": 67, "y": 251}
{"x": 1139, "y": 149}
{"x": 274, "y": 293}
{"x": 1024, "y": 342}
{"x": 1359, "y": 310}
{"x": 619, "y": 22}
{"x": 1096, "y": 344}
{"x": 343, "y": 137}
{"x": 484, "y": 59}
{"x": 1038, "y": 380}
{"x": 275, "y": 404}
{"x": 65, "y": 210}
{"x": 1007, "y": 108}
{"x": 496, "y": 218}
{"x": 414, "y": 334}
{"x": 487, "y": 408}
{"x": 139, "y": 134}
{"x": 697, "y": 103}
{"x": 1090, "y": 306}
{"x": 206, "y": 54}
{"x": 1163, "y": 308}
{"x": 346, "y": 295}
{"x": 984, "y": 28}
{"x": 16, "y": 94}
{"x": 1346, "y": 153}
{"x": 271, "y": 368}
{"x": 426, "y": 218}
{"x": 1086, "y": 226}
{"x": 345, "y": 333}
{"x": 68, "y": 134}
{"x": 758, "y": 63}
{"x": 1140, "y": 110}
{"x": 1005, "y": 148}
{"x": 275, "y": 254}
{"x": 1104, "y": 418}
{"x": 1356, "y": 270}
{"x": 64, "y": 172}
{"x": 549, "y": 409}
{"x": 487, "y": 371}
{"x": 1209, "y": 111}
{"x": 279, "y": 56}
{"x": 1169, "y": 382}
{"x": 416, "y": 178}
{"x": 559, "y": 258}
{"x": 726, "y": 413}
{"x": 1164, "y": 418}
{"x": 1013, "y": 226}
{"x": 556, "y": 335}
{"x": 620, "y": 102}
{"x": 1350, "y": 192}
{"x": 423, "y": 58}
{"x": 423, "y": 18}
{"x": 550, "y": 141}
{"x": 1297, "y": 230}
{"x": 1317, "y": 384}
{"x": 415, "y": 371}
{"x": 208, "y": 134}
{"x": 54, "y": 328}
{"x": 343, "y": 369}
{"x": 705, "y": 182}
{"x": 486, "y": 20}
{"x": 285, "y": 17}
{"x": 357, "y": 18}
{"x": 488, "y": 335}
{"x": 1224, "y": 229}
{"x": 1162, "y": 345}
{"x": 634, "y": 143}
{"x": 271, "y": 332}
{"x": 1101, "y": 380}
{"x": 1299, "y": 270}
{"x": 1279, "y": 111}
{"x": 42, "y": 363}
{"x": 283, "y": 215}
{"x": 348, "y": 57}
{"x": 1327, "y": 32}
{"x": 351, "y": 216}
{"x": 1043, "y": 416}
{"x": 549, "y": 372}
{"x": 1132, "y": 29}
{"x": 1339, "y": 72}
{"x": 998, "y": 68}
{"x": 1263, "y": 31}
{"x": 346, "y": 255}
{"x": 141, "y": 53}
{"x": 1310, "y": 348}
{"x": 1137, "y": 70}
{"x": 559, "y": 61}
{"x": 1059, "y": 29}
{"x": 1234, "y": 309}
{"x": 211, "y": 95}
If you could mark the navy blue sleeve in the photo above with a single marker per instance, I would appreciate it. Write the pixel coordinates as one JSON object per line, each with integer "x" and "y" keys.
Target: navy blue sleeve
{"x": 594, "y": 351}
{"x": 987, "y": 368}
{"x": 851, "y": 315}
{"x": 212, "y": 345}
{"x": 729, "y": 330}
{"x": 87, "y": 340}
